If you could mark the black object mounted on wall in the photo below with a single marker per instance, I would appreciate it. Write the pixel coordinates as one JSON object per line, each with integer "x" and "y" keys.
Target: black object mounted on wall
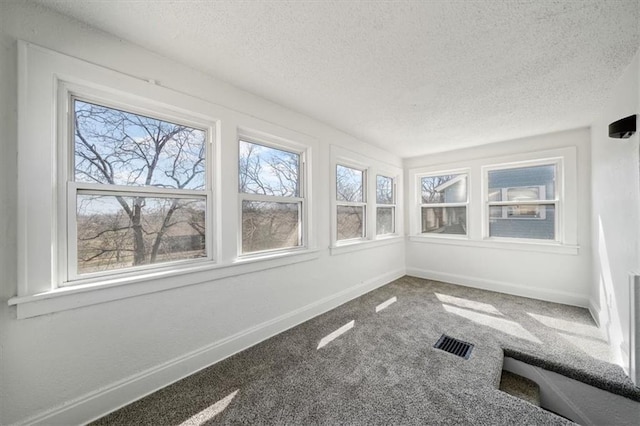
{"x": 623, "y": 128}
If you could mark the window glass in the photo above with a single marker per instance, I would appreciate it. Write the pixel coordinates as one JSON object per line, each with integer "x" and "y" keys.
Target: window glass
{"x": 534, "y": 187}
{"x": 349, "y": 184}
{"x": 268, "y": 171}
{"x": 121, "y": 148}
{"x": 384, "y": 190}
{"x": 119, "y": 231}
{"x": 270, "y": 225}
{"x": 385, "y": 220}
{"x": 513, "y": 225}
{"x": 522, "y": 184}
{"x": 444, "y": 189}
{"x": 444, "y": 220}
{"x": 162, "y": 220}
{"x": 350, "y": 222}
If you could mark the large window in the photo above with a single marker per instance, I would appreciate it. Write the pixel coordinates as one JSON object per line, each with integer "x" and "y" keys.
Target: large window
{"x": 124, "y": 187}
{"x": 351, "y": 203}
{"x": 138, "y": 192}
{"x": 272, "y": 197}
{"x": 522, "y": 202}
{"x": 385, "y": 205}
{"x": 443, "y": 204}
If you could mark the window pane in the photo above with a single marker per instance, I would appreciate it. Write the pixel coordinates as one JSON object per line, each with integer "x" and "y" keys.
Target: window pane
{"x": 385, "y": 223}
{"x": 349, "y": 184}
{"x": 525, "y": 221}
{"x": 444, "y": 220}
{"x": 444, "y": 189}
{"x": 122, "y": 148}
{"x": 269, "y": 225}
{"x": 117, "y": 232}
{"x": 522, "y": 184}
{"x": 350, "y": 222}
{"x": 384, "y": 190}
{"x": 268, "y": 171}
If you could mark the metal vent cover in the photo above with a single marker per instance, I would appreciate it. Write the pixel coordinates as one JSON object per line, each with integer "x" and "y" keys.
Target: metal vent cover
{"x": 454, "y": 346}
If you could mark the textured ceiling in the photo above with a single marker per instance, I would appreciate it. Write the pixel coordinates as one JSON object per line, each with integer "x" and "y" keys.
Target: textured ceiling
{"x": 411, "y": 77}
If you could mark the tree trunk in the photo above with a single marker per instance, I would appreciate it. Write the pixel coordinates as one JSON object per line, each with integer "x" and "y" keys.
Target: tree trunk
{"x": 139, "y": 257}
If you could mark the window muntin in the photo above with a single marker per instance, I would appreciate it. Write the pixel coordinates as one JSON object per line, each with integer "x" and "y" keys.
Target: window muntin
{"x": 351, "y": 203}
{"x": 138, "y": 191}
{"x": 272, "y": 199}
{"x": 443, "y": 204}
{"x": 385, "y": 205}
{"x": 522, "y": 202}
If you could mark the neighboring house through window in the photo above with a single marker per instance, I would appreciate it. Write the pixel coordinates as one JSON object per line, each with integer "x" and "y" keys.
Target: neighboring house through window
{"x": 443, "y": 204}
{"x": 522, "y": 201}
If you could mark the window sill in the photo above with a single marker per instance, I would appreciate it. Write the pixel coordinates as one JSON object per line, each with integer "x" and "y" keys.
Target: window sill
{"x": 77, "y": 296}
{"x": 351, "y": 246}
{"x": 522, "y": 245}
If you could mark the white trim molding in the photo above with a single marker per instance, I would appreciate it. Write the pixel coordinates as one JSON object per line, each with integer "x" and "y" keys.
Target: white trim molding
{"x": 549, "y": 295}
{"x": 96, "y": 404}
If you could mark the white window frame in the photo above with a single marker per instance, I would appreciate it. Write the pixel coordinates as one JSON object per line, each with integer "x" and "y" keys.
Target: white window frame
{"x": 67, "y": 242}
{"x": 249, "y": 136}
{"x": 365, "y": 211}
{"x": 372, "y": 168}
{"x": 43, "y": 75}
{"x": 420, "y": 204}
{"x": 566, "y": 242}
{"x": 391, "y": 205}
{"x": 556, "y": 201}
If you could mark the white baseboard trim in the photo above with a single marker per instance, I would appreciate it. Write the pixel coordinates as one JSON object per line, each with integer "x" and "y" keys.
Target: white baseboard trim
{"x": 502, "y": 287}
{"x": 103, "y": 401}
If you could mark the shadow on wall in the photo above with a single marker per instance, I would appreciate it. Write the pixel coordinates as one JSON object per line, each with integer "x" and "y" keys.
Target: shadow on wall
{"x": 609, "y": 314}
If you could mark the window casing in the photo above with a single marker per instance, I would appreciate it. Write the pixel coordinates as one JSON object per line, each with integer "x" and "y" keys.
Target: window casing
{"x": 271, "y": 188}
{"x": 385, "y": 205}
{"x": 443, "y": 203}
{"x": 550, "y": 213}
{"x": 351, "y": 203}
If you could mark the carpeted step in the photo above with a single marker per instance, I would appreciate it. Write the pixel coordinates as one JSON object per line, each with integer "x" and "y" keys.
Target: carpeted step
{"x": 520, "y": 387}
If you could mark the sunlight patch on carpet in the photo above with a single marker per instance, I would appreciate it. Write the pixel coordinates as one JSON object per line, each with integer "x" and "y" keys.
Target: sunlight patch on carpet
{"x": 506, "y": 326}
{"x": 569, "y": 326}
{"x": 468, "y": 304}
{"x": 386, "y": 304}
{"x": 335, "y": 334}
{"x": 210, "y": 412}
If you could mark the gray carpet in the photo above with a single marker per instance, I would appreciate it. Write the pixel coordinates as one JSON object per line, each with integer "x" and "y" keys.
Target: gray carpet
{"x": 520, "y": 387}
{"x": 385, "y": 370}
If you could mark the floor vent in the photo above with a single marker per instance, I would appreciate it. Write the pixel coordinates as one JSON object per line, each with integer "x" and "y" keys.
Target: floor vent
{"x": 454, "y": 346}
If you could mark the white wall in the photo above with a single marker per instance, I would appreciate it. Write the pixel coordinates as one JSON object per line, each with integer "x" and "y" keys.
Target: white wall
{"x": 73, "y": 365}
{"x": 553, "y": 276}
{"x": 616, "y": 213}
